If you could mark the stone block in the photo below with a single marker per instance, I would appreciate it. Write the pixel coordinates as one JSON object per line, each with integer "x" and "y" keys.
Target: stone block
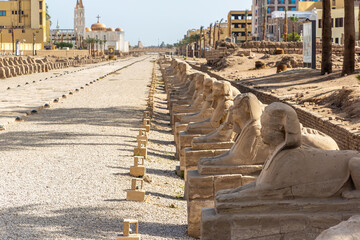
{"x": 230, "y": 181}
{"x": 194, "y": 215}
{"x": 199, "y": 187}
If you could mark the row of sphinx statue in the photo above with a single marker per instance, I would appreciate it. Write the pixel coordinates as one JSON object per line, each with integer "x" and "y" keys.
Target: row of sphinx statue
{"x": 252, "y": 171}
{"x": 16, "y": 66}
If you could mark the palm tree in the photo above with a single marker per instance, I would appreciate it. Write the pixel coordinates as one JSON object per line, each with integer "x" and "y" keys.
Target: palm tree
{"x": 265, "y": 21}
{"x": 359, "y": 22}
{"x": 219, "y": 30}
{"x": 246, "y": 25}
{"x": 294, "y": 20}
{"x": 210, "y": 34}
{"x": 105, "y": 41}
{"x": 97, "y": 45}
{"x": 349, "y": 35}
{"x": 201, "y": 36}
{"x": 88, "y": 42}
{"x": 214, "y": 33}
{"x": 285, "y": 26}
{"x": 326, "y": 62}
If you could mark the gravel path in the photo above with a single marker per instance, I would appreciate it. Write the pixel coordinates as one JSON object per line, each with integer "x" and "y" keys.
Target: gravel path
{"x": 64, "y": 171}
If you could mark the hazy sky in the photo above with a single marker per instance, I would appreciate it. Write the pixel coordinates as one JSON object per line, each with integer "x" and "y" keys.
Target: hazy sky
{"x": 150, "y": 21}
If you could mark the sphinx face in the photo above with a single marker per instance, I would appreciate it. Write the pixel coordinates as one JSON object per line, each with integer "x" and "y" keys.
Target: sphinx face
{"x": 272, "y": 130}
{"x": 241, "y": 114}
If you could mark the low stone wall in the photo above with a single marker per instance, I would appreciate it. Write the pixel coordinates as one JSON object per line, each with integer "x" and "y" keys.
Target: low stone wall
{"x": 289, "y": 47}
{"x": 344, "y": 138}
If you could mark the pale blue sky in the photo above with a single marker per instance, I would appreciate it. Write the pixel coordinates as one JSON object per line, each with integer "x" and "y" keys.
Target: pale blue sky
{"x": 148, "y": 20}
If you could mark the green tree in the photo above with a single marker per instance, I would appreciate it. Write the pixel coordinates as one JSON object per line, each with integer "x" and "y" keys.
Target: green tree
{"x": 292, "y": 37}
{"x": 294, "y": 20}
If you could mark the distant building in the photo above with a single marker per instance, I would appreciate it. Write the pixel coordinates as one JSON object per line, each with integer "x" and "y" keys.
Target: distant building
{"x": 23, "y": 25}
{"x": 62, "y": 35}
{"x": 337, "y": 16}
{"x": 277, "y": 21}
{"x": 79, "y": 22}
{"x": 109, "y": 36}
{"x": 236, "y": 25}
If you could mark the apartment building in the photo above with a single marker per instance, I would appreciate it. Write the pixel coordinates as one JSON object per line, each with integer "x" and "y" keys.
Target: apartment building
{"x": 23, "y": 24}
{"x": 236, "y": 25}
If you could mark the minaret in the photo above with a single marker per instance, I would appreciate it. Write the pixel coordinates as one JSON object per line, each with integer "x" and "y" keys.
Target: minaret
{"x": 79, "y": 22}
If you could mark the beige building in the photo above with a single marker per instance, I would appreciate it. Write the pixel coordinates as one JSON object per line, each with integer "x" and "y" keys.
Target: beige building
{"x": 337, "y": 16}
{"x": 236, "y": 25}
{"x": 23, "y": 25}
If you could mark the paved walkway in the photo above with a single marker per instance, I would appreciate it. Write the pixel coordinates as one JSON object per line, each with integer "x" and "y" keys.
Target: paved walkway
{"x": 21, "y": 95}
{"x": 64, "y": 171}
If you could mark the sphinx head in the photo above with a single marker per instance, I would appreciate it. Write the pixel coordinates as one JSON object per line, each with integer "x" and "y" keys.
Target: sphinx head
{"x": 199, "y": 81}
{"x": 280, "y": 126}
{"x": 247, "y": 108}
{"x": 221, "y": 89}
{"x": 208, "y": 87}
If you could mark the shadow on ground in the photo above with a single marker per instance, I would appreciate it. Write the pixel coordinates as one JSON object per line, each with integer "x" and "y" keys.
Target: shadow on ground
{"x": 76, "y": 223}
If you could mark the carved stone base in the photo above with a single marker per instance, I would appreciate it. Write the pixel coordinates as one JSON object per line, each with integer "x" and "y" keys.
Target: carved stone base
{"x": 191, "y": 157}
{"x": 200, "y": 192}
{"x": 280, "y": 220}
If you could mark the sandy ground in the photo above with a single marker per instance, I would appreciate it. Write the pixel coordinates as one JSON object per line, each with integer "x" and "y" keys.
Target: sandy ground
{"x": 65, "y": 170}
{"x": 333, "y": 97}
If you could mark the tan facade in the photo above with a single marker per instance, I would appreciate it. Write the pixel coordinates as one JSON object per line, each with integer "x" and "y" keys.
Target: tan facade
{"x": 337, "y": 16}
{"x": 236, "y": 25}
{"x": 23, "y": 23}
{"x": 310, "y": 5}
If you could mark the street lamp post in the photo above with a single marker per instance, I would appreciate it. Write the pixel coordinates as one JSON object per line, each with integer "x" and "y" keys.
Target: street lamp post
{"x": 34, "y": 38}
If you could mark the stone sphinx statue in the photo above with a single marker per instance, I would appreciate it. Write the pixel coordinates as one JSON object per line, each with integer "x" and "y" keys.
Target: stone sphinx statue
{"x": 222, "y": 100}
{"x": 224, "y": 133}
{"x": 293, "y": 171}
{"x": 206, "y": 109}
{"x": 248, "y": 148}
{"x": 197, "y": 95}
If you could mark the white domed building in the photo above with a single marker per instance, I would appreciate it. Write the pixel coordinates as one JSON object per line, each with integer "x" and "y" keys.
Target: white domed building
{"x": 111, "y": 37}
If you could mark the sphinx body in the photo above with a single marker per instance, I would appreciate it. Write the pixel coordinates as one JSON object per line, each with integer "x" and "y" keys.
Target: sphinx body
{"x": 295, "y": 171}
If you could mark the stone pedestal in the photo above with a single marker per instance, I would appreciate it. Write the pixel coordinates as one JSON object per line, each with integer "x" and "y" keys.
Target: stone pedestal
{"x": 276, "y": 220}
{"x": 200, "y": 191}
{"x": 199, "y": 150}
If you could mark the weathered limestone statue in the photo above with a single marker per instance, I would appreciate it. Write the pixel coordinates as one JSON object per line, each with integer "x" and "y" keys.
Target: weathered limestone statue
{"x": 249, "y": 148}
{"x": 296, "y": 171}
{"x": 347, "y": 230}
{"x": 222, "y": 101}
{"x": 239, "y": 165}
{"x": 298, "y": 191}
{"x": 11, "y": 68}
{"x": 207, "y": 108}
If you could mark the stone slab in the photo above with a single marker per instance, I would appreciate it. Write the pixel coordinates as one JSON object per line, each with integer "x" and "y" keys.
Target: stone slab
{"x": 264, "y": 226}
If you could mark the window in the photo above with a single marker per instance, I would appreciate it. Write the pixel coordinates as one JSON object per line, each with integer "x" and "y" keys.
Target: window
{"x": 339, "y": 22}
{"x": 320, "y": 23}
{"x": 41, "y": 18}
{"x": 10, "y": 31}
{"x": 292, "y": 9}
{"x": 41, "y": 5}
{"x": 23, "y": 31}
{"x": 2, "y": 13}
{"x": 337, "y": 40}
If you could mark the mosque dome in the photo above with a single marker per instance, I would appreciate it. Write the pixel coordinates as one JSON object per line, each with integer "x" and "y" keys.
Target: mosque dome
{"x": 119, "y": 30}
{"x": 110, "y": 30}
{"x": 98, "y": 27}
{"x": 87, "y": 29}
